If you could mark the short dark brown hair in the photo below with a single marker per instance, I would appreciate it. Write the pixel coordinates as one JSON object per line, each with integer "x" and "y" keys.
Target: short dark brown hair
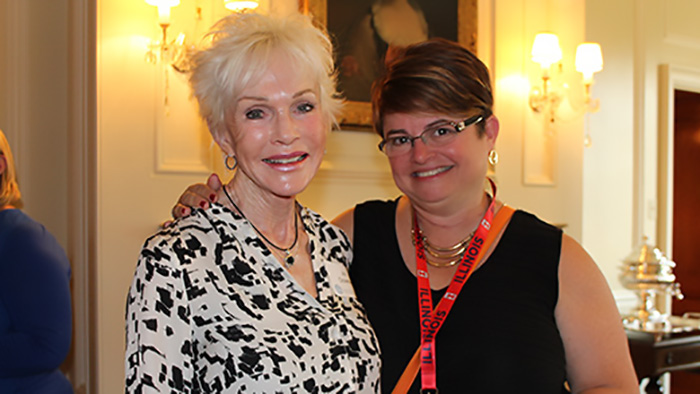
{"x": 434, "y": 76}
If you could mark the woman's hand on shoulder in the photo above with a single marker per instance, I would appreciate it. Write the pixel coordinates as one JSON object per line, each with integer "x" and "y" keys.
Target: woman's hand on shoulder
{"x": 198, "y": 195}
{"x": 597, "y": 352}
{"x": 346, "y": 221}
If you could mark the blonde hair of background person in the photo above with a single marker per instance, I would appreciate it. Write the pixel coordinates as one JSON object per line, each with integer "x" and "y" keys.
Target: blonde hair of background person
{"x": 9, "y": 189}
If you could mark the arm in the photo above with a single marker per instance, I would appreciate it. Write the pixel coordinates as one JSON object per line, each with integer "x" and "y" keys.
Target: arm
{"x": 35, "y": 298}
{"x": 346, "y": 221}
{"x": 158, "y": 339}
{"x": 597, "y": 354}
{"x": 198, "y": 195}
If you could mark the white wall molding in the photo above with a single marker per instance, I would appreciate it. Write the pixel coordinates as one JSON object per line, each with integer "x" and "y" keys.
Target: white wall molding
{"x": 680, "y": 25}
{"x": 183, "y": 142}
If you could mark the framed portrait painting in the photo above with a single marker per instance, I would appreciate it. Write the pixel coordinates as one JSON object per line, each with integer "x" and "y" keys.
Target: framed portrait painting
{"x": 364, "y": 33}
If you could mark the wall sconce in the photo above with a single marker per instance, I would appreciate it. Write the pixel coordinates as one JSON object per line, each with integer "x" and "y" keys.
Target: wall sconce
{"x": 174, "y": 53}
{"x": 547, "y": 52}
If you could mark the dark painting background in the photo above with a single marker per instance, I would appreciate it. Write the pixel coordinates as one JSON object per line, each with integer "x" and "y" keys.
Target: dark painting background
{"x": 360, "y": 50}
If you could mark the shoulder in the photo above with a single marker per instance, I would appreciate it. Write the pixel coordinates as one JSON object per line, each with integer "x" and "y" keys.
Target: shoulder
{"x": 187, "y": 236}
{"x": 327, "y": 231}
{"x": 575, "y": 260}
{"x": 578, "y": 272}
{"x": 20, "y": 235}
{"x": 532, "y": 221}
{"x": 346, "y": 220}
{"x": 527, "y": 232}
{"x": 18, "y": 225}
{"x": 377, "y": 205}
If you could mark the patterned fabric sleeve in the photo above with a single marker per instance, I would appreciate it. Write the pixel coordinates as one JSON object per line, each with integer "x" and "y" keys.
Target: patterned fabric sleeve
{"x": 158, "y": 336}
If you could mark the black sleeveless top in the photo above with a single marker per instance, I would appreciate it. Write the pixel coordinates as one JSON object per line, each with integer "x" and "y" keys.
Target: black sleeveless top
{"x": 501, "y": 335}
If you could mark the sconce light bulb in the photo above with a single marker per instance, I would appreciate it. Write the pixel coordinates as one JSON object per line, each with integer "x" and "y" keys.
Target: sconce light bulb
{"x": 239, "y": 5}
{"x": 587, "y": 77}
{"x": 163, "y": 9}
{"x": 164, "y": 15}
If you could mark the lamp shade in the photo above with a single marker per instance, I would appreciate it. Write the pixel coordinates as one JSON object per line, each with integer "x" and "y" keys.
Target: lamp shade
{"x": 589, "y": 59}
{"x": 240, "y": 5}
{"x": 546, "y": 50}
{"x": 163, "y": 3}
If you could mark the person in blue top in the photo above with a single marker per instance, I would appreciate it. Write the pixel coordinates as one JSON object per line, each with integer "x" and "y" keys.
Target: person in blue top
{"x": 35, "y": 303}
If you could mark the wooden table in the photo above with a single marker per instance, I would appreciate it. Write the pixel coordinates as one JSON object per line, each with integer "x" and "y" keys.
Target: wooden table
{"x": 655, "y": 354}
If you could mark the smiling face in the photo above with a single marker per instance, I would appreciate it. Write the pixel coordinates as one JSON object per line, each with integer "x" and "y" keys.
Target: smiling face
{"x": 452, "y": 172}
{"x": 277, "y": 132}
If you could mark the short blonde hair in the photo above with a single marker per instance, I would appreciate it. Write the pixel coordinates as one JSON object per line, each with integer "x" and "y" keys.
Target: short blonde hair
{"x": 9, "y": 190}
{"x": 241, "y": 47}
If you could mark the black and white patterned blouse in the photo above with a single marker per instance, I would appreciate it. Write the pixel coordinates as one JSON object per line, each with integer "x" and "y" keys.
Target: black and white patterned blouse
{"x": 210, "y": 310}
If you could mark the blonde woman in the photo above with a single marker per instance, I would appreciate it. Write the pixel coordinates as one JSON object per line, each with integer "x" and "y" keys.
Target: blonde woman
{"x": 252, "y": 294}
{"x": 35, "y": 306}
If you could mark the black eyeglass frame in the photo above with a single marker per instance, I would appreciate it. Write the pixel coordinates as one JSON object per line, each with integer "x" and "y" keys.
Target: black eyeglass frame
{"x": 459, "y": 126}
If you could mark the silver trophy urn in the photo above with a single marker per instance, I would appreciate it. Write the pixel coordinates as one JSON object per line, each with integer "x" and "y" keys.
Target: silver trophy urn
{"x": 650, "y": 274}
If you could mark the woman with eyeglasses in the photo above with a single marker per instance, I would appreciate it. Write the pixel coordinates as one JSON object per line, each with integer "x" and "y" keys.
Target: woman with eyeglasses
{"x": 35, "y": 301}
{"x": 536, "y": 314}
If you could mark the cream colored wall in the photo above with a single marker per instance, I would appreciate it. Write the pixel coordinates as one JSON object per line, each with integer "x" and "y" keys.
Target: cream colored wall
{"x": 609, "y": 176}
{"x": 515, "y": 25}
{"x": 620, "y": 200}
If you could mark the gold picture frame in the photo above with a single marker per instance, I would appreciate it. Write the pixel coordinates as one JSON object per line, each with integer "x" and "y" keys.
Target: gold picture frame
{"x": 357, "y": 113}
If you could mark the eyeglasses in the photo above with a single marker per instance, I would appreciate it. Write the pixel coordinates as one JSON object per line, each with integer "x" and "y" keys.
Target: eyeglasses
{"x": 434, "y": 136}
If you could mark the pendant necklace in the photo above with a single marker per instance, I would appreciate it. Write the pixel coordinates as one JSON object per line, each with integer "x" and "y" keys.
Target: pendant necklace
{"x": 288, "y": 256}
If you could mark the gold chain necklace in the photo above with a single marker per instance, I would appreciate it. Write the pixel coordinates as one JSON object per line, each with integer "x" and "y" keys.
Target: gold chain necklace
{"x": 452, "y": 254}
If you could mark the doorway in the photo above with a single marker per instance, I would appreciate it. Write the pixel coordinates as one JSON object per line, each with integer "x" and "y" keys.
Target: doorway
{"x": 686, "y": 215}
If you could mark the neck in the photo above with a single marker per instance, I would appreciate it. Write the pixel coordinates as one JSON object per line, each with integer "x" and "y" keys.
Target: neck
{"x": 8, "y": 206}
{"x": 273, "y": 215}
{"x": 445, "y": 227}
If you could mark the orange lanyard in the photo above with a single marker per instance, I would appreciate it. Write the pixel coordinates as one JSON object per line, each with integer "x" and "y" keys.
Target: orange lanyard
{"x": 431, "y": 321}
